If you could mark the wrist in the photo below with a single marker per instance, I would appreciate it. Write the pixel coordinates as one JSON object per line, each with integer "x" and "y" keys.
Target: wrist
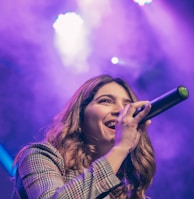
{"x": 116, "y": 156}
{"x": 120, "y": 151}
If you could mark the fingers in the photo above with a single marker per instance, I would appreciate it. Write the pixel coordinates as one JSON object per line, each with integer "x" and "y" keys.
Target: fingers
{"x": 140, "y": 115}
{"x": 127, "y": 114}
{"x": 145, "y": 125}
{"x": 127, "y": 127}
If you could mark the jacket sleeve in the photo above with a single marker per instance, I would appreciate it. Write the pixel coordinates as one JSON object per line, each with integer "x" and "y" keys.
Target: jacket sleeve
{"x": 41, "y": 171}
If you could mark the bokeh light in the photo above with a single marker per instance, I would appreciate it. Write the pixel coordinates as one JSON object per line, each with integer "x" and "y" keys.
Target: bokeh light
{"x": 114, "y": 60}
{"x": 70, "y": 40}
{"x": 7, "y": 161}
{"x": 142, "y": 2}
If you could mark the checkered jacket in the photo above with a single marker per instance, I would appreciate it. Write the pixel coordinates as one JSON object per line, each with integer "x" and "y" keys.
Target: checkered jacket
{"x": 41, "y": 174}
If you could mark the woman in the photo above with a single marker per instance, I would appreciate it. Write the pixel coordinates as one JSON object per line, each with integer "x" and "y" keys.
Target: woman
{"x": 94, "y": 149}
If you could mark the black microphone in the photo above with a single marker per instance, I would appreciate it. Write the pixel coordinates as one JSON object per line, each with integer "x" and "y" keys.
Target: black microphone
{"x": 164, "y": 102}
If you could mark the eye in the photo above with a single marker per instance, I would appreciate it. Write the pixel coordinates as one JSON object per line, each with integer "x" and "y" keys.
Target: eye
{"x": 106, "y": 101}
{"x": 127, "y": 102}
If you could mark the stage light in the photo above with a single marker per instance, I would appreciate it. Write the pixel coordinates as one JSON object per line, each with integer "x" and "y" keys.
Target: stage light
{"x": 67, "y": 27}
{"x": 67, "y": 23}
{"x": 142, "y": 2}
{"x": 7, "y": 161}
{"x": 70, "y": 40}
{"x": 114, "y": 60}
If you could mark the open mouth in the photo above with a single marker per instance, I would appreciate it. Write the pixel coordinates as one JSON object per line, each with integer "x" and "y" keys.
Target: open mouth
{"x": 110, "y": 124}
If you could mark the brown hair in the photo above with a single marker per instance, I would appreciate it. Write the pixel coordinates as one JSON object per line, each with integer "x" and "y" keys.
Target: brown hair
{"x": 66, "y": 135}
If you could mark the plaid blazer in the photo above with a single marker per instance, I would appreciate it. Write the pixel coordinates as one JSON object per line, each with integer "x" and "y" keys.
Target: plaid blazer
{"x": 41, "y": 174}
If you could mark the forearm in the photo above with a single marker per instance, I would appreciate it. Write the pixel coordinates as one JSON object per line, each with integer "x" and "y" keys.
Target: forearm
{"x": 116, "y": 156}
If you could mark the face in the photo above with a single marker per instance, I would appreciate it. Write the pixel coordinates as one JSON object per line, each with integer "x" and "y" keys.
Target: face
{"x": 101, "y": 113}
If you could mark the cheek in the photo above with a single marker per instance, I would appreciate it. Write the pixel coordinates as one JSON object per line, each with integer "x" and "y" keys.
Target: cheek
{"x": 93, "y": 116}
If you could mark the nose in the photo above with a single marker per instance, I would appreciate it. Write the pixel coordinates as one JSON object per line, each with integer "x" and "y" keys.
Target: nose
{"x": 116, "y": 109}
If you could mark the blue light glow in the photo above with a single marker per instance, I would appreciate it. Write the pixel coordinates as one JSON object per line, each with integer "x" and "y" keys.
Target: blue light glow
{"x": 7, "y": 161}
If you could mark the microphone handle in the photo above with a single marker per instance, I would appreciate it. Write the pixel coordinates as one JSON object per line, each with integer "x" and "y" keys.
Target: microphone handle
{"x": 164, "y": 102}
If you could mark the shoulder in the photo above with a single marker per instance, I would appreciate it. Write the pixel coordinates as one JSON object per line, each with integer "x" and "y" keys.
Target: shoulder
{"x": 40, "y": 151}
{"x": 41, "y": 147}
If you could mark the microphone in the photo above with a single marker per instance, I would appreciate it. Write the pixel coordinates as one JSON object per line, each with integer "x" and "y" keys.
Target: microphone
{"x": 164, "y": 102}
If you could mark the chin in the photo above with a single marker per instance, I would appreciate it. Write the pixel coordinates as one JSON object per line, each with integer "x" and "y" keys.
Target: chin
{"x": 110, "y": 141}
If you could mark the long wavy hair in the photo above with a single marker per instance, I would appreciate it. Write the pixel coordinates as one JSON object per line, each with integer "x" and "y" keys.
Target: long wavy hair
{"x": 66, "y": 135}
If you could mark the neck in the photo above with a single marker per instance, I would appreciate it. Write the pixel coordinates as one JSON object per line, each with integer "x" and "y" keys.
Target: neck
{"x": 102, "y": 149}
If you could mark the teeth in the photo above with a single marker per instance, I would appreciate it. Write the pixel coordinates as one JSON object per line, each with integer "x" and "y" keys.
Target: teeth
{"x": 111, "y": 125}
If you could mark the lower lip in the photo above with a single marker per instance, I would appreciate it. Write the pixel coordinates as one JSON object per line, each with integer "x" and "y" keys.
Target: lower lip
{"x": 112, "y": 130}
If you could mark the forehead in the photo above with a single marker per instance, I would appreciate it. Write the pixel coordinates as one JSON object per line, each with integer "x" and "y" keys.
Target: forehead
{"x": 114, "y": 89}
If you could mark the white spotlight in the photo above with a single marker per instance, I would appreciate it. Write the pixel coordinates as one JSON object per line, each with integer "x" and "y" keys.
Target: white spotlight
{"x": 114, "y": 60}
{"x": 67, "y": 23}
{"x": 142, "y": 2}
{"x": 70, "y": 40}
{"x": 67, "y": 27}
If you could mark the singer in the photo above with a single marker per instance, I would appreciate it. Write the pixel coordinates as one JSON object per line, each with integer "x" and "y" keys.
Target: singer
{"x": 95, "y": 148}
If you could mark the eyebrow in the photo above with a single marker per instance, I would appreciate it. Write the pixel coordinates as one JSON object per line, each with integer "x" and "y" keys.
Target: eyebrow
{"x": 112, "y": 97}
